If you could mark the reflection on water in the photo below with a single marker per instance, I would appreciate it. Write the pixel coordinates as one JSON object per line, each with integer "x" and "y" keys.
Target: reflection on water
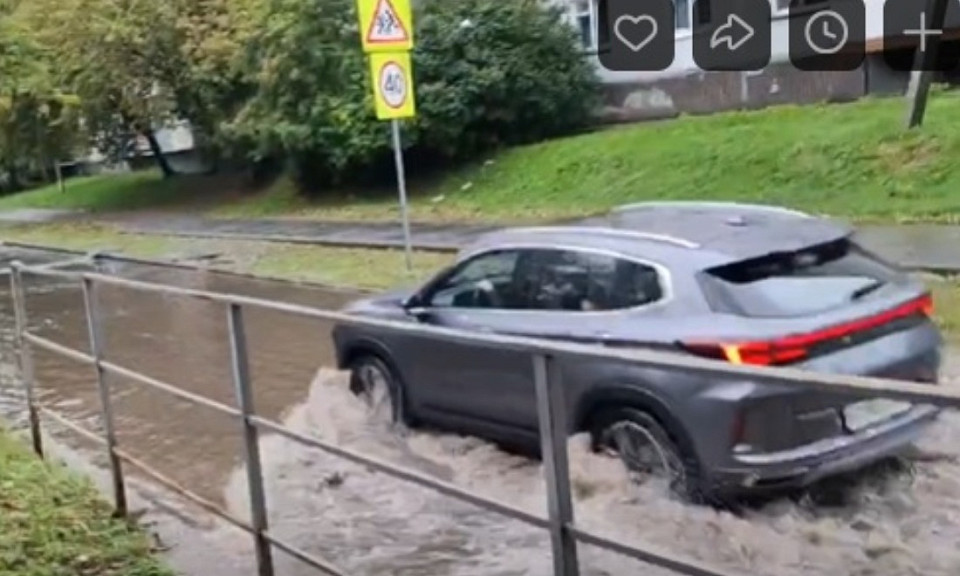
{"x": 180, "y": 341}
{"x": 886, "y": 524}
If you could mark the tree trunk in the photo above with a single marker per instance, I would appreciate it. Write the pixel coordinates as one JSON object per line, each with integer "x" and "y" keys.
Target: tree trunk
{"x": 162, "y": 161}
{"x": 13, "y": 177}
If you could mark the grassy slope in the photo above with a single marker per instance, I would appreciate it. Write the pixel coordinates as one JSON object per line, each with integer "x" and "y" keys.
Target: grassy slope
{"x": 52, "y": 522}
{"x": 852, "y": 160}
{"x": 130, "y": 191}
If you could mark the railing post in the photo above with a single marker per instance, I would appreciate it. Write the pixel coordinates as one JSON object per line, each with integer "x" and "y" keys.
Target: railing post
{"x": 26, "y": 354}
{"x": 553, "y": 442}
{"x": 91, "y": 305}
{"x": 251, "y": 444}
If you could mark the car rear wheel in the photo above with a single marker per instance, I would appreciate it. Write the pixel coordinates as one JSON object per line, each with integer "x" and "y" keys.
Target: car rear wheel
{"x": 646, "y": 449}
{"x": 378, "y": 387}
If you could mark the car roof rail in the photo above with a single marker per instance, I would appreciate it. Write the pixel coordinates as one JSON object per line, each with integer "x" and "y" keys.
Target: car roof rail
{"x": 718, "y": 205}
{"x": 614, "y": 233}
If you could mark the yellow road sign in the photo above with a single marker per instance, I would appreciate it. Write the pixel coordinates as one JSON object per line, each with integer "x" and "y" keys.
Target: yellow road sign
{"x": 392, "y": 76}
{"x": 385, "y": 25}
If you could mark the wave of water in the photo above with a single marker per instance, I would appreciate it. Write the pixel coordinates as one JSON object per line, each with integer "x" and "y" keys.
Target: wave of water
{"x": 897, "y": 522}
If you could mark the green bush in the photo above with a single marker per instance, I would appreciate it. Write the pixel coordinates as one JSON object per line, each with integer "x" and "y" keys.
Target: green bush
{"x": 487, "y": 73}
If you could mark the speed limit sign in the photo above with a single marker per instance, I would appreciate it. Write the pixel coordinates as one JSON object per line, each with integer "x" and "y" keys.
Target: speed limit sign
{"x": 392, "y": 85}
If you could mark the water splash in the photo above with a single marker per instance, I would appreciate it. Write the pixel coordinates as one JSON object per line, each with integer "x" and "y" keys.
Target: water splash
{"x": 889, "y": 520}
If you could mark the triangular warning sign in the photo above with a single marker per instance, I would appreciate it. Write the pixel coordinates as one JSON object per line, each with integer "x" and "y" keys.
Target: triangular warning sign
{"x": 386, "y": 25}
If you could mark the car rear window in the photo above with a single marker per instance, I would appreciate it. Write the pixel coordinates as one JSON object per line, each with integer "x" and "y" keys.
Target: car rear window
{"x": 801, "y": 283}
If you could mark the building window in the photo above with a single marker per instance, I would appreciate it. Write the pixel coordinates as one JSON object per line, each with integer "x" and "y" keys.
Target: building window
{"x": 682, "y": 8}
{"x": 585, "y": 16}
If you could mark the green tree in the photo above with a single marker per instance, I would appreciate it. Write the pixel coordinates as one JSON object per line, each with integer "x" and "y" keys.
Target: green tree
{"x": 490, "y": 73}
{"x": 122, "y": 58}
{"x": 38, "y": 123}
{"x": 211, "y": 86}
{"x": 487, "y": 72}
{"x": 311, "y": 104}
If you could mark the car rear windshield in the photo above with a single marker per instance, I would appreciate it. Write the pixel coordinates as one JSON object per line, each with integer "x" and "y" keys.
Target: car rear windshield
{"x": 801, "y": 283}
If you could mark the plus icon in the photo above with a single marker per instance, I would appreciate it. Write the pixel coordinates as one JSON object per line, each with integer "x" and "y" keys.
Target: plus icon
{"x": 917, "y": 32}
{"x": 923, "y": 32}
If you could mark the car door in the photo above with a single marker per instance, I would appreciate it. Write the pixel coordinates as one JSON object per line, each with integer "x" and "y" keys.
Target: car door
{"x": 561, "y": 294}
{"x": 486, "y": 387}
{"x": 471, "y": 386}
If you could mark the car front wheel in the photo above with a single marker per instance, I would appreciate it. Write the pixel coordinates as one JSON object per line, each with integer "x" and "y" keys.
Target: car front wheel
{"x": 375, "y": 384}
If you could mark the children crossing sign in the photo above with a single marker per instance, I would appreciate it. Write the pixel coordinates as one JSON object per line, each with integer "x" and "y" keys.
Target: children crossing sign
{"x": 385, "y": 25}
{"x": 392, "y": 85}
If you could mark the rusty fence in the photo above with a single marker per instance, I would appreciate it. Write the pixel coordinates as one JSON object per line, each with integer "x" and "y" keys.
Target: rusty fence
{"x": 564, "y": 532}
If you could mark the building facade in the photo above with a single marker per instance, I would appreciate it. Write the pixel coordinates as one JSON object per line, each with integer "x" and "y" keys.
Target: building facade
{"x": 685, "y": 88}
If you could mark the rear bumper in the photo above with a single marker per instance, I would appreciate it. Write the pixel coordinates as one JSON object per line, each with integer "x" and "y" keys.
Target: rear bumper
{"x": 808, "y": 464}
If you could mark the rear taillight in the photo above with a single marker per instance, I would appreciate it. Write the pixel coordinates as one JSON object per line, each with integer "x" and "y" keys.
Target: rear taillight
{"x": 795, "y": 348}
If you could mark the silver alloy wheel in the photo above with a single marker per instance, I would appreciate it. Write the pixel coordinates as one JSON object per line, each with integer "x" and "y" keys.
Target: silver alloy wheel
{"x": 642, "y": 454}
{"x": 375, "y": 393}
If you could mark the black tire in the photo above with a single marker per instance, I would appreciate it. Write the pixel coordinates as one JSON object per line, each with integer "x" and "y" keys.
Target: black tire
{"x": 372, "y": 366}
{"x": 684, "y": 472}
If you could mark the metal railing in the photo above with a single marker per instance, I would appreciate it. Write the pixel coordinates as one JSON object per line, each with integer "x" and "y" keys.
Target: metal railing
{"x": 564, "y": 532}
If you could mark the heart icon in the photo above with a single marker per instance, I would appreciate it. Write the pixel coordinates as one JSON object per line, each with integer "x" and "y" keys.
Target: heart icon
{"x": 630, "y": 30}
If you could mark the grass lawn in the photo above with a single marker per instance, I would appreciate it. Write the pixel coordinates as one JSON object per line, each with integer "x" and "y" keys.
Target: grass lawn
{"x": 129, "y": 191}
{"x": 53, "y": 522}
{"x": 850, "y": 160}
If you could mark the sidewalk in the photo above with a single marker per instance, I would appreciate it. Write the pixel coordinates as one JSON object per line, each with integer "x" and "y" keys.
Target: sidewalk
{"x": 925, "y": 247}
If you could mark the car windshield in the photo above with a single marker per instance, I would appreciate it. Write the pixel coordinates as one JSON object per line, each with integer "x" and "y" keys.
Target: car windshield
{"x": 791, "y": 284}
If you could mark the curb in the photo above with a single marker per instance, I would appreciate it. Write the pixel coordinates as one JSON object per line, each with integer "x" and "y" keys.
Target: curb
{"x": 440, "y": 248}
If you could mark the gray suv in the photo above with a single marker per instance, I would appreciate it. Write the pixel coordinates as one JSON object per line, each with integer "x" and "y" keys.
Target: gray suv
{"x": 736, "y": 283}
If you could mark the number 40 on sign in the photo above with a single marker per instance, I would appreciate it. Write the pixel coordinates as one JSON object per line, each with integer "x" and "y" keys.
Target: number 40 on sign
{"x": 392, "y": 85}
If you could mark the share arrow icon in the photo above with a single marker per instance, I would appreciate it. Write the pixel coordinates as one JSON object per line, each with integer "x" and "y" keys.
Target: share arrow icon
{"x": 735, "y": 32}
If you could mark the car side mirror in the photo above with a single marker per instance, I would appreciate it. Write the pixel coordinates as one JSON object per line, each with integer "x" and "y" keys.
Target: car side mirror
{"x": 414, "y": 306}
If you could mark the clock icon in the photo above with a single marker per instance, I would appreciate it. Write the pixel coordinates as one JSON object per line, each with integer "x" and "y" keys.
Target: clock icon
{"x": 826, "y": 32}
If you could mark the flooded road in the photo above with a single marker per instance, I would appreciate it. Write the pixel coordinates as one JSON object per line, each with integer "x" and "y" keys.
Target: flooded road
{"x": 883, "y": 523}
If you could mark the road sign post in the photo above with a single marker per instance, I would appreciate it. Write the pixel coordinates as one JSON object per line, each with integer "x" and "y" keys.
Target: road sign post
{"x": 386, "y": 29}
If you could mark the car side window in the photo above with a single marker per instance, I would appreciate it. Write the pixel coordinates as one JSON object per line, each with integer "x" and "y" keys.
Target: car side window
{"x": 483, "y": 282}
{"x": 576, "y": 281}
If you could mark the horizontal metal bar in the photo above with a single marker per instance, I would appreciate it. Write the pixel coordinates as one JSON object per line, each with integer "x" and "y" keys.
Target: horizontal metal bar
{"x": 51, "y": 346}
{"x": 49, "y": 265}
{"x": 659, "y": 558}
{"x": 72, "y": 426}
{"x": 315, "y": 562}
{"x": 29, "y": 246}
{"x": 127, "y": 373}
{"x": 178, "y": 265}
{"x": 62, "y": 263}
{"x": 855, "y": 385}
{"x": 440, "y": 486}
{"x": 176, "y": 487}
{"x": 118, "y": 370}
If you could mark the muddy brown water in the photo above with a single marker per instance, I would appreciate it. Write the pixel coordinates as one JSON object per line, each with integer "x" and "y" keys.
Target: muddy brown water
{"x": 881, "y": 522}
